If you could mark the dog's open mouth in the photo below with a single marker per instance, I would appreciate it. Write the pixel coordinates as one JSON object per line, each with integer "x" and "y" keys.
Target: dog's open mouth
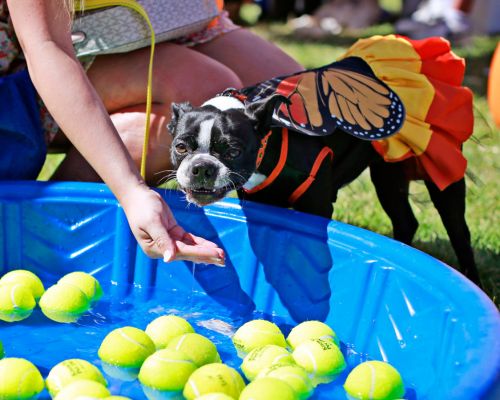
{"x": 205, "y": 196}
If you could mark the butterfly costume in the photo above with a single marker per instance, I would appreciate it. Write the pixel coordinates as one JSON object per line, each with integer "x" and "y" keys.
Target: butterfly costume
{"x": 403, "y": 96}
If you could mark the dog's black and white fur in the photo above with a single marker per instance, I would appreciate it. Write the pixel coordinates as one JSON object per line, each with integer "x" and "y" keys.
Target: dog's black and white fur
{"x": 215, "y": 148}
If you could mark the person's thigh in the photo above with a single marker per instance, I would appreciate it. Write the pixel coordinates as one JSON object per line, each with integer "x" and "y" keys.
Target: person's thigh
{"x": 179, "y": 74}
{"x": 252, "y": 58}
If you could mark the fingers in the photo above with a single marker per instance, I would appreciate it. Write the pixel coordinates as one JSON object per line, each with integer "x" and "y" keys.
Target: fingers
{"x": 200, "y": 254}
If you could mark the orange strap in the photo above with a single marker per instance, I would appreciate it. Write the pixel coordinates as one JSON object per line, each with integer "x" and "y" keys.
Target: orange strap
{"x": 325, "y": 151}
{"x": 279, "y": 167}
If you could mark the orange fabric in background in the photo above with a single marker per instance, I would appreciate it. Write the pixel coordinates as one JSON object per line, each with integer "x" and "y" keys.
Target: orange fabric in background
{"x": 494, "y": 87}
{"x": 427, "y": 76}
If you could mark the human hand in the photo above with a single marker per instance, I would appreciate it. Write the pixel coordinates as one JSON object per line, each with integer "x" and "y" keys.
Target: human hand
{"x": 158, "y": 233}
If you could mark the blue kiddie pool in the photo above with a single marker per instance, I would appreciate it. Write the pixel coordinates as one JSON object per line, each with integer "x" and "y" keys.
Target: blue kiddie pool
{"x": 385, "y": 300}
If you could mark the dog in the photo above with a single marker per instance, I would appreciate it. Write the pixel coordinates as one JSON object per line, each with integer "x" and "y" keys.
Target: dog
{"x": 228, "y": 144}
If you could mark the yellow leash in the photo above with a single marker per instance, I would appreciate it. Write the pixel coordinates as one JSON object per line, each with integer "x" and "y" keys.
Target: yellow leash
{"x": 133, "y": 4}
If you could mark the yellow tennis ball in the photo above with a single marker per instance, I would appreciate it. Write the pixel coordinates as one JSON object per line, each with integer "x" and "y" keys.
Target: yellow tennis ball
{"x": 374, "y": 380}
{"x": 166, "y": 371}
{"x": 27, "y": 278}
{"x": 86, "y": 282}
{"x": 83, "y": 389}
{"x": 198, "y": 348}
{"x": 322, "y": 358}
{"x": 19, "y": 379}
{"x": 214, "y": 378}
{"x": 126, "y": 347}
{"x": 16, "y": 302}
{"x": 163, "y": 329}
{"x": 257, "y": 333}
{"x": 70, "y": 370}
{"x": 268, "y": 389}
{"x": 263, "y": 357}
{"x": 296, "y": 376}
{"x": 215, "y": 396}
{"x": 64, "y": 303}
{"x": 310, "y": 330}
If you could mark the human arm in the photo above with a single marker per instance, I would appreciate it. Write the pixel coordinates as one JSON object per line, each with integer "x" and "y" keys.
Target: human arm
{"x": 43, "y": 28}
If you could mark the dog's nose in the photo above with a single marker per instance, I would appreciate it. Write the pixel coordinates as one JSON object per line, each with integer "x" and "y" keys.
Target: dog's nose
{"x": 206, "y": 171}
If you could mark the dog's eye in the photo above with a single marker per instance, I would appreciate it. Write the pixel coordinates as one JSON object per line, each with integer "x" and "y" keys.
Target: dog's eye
{"x": 181, "y": 148}
{"x": 233, "y": 153}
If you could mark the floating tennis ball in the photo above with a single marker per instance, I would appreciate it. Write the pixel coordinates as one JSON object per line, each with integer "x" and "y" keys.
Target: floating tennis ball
{"x": 86, "y": 282}
{"x": 27, "y": 278}
{"x": 257, "y": 333}
{"x": 163, "y": 329}
{"x": 263, "y": 357}
{"x": 84, "y": 389}
{"x": 70, "y": 370}
{"x": 296, "y": 376}
{"x": 166, "y": 371}
{"x": 374, "y": 380}
{"x": 198, "y": 348}
{"x": 126, "y": 347}
{"x": 310, "y": 330}
{"x": 19, "y": 379}
{"x": 16, "y": 302}
{"x": 322, "y": 358}
{"x": 268, "y": 389}
{"x": 215, "y": 396}
{"x": 214, "y": 378}
{"x": 64, "y": 303}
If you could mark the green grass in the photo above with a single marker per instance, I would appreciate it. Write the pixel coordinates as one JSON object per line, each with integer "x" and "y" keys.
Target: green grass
{"x": 357, "y": 203}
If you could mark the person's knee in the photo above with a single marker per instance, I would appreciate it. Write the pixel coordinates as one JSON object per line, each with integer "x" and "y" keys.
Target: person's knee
{"x": 197, "y": 88}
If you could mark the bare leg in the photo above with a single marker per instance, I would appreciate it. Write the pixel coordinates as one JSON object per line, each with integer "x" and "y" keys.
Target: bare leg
{"x": 180, "y": 74}
{"x": 252, "y": 58}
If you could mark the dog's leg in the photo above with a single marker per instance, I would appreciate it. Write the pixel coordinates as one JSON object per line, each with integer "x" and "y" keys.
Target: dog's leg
{"x": 392, "y": 189}
{"x": 450, "y": 204}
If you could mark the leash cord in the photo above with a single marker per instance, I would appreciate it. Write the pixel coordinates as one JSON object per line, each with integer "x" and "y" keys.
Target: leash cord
{"x": 134, "y": 5}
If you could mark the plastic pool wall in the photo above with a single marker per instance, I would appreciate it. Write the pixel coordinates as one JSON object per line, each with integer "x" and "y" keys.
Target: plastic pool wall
{"x": 385, "y": 300}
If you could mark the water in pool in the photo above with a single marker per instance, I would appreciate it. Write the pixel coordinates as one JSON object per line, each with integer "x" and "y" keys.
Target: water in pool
{"x": 46, "y": 343}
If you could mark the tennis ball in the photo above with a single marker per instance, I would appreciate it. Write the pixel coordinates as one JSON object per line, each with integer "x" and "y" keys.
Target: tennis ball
{"x": 215, "y": 396}
{"x": 64, "y": 303}
{"x": 198, "y": 348}
{"x": 257, "y": 333}
{"x": 16, "y": 302}
{"x": 374, "y": 380}
{"x": 296, "y": 376}
{"x": 163, "y": 329}
{"x": 166, "y": 371}
{"x": 320, "y": 357}
{"x": 126, "y": 347}
{"x": 263, "y": 357}
{"x": 85, "y": 282}
{"x": 70, "y": 370}
{"x": 310, "y": 330}
{"x": 27, "y": 278}
{"x": 84, "y": 389}
{"x": 19, "y": 379}
{"x": 268, "y": 389}
{"x": 214, "y": 378}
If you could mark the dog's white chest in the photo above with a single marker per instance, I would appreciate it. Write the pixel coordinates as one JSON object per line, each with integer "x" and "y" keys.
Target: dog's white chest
{"x": 254, "y": 180}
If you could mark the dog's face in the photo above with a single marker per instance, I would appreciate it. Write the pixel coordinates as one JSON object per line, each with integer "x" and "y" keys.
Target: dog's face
{"x": 215, "y": 146}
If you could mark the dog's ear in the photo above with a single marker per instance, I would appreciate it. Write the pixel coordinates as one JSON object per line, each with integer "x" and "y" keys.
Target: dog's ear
{"x": 261, "y": 112}
{"x": 177, "y": 110}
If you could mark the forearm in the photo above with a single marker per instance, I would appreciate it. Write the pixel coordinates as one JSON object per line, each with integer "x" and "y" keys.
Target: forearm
{"x": 77, "y": 108}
